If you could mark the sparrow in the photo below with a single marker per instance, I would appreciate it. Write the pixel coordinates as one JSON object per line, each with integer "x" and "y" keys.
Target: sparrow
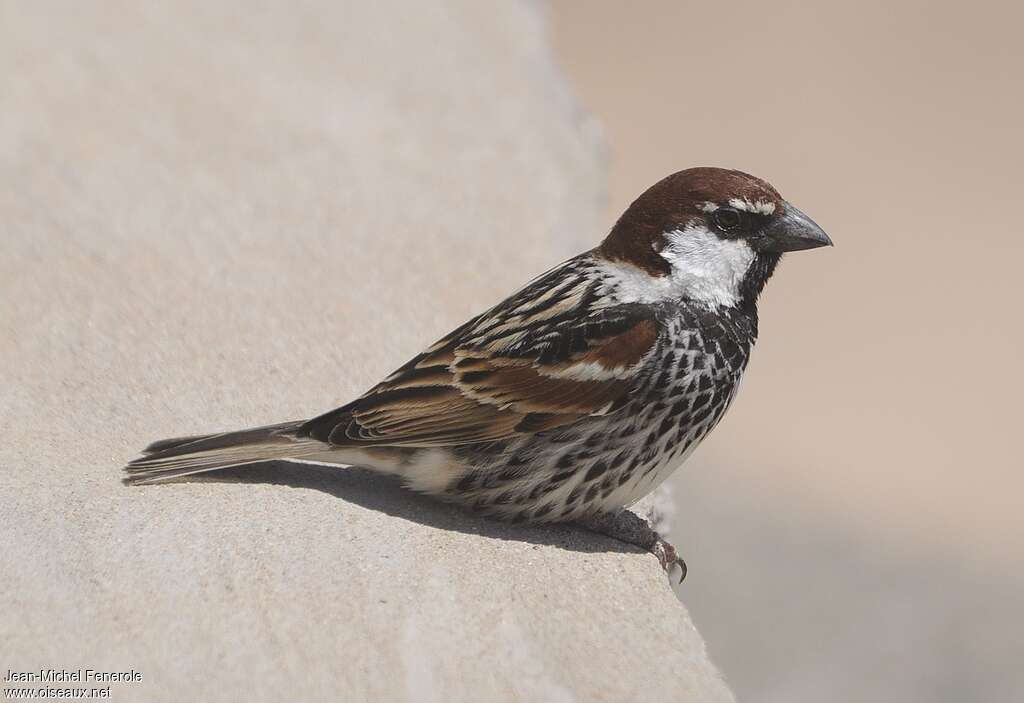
{"x": 578, "y": 394}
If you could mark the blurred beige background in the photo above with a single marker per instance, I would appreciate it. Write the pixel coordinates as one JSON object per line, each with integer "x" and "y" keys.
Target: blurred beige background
{"x": 854, "y": 527}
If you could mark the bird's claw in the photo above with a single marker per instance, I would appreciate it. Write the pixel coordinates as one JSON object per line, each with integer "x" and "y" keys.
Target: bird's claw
{"x": 626, "y": 526}
{"x": 670, "y": 561}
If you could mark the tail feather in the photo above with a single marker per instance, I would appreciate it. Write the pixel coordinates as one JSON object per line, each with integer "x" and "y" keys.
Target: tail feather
{"x": 163, "y": 444}
{"x": 184, "y": 456}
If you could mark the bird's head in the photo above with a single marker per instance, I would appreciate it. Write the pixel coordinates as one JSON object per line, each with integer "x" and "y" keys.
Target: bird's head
{"x": 708, "y": 234}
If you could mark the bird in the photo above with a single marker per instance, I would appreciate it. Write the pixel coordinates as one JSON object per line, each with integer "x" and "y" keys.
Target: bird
{"x": 578, "y": 394}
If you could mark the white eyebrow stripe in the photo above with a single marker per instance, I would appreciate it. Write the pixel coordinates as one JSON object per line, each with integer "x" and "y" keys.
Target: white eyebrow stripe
{"x": 760, "y": 206}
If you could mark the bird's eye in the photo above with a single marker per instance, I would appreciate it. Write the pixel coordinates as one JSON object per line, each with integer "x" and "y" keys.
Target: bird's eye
{"x": 728, "y": 219}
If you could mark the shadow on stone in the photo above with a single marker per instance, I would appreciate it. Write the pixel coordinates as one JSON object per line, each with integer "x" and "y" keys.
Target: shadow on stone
{"x": 386, "y": 494}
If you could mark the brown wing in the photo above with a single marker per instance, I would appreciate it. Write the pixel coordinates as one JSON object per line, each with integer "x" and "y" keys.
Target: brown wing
{"x": 542, "y": 359}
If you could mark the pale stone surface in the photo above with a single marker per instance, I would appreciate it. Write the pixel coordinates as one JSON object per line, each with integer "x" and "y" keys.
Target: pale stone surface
{"x": 224, "y": 214}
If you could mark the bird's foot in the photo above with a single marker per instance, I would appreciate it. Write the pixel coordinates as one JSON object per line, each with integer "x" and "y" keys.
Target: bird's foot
{"x": 670, "y": 561}
{"x": 626, "y": 526}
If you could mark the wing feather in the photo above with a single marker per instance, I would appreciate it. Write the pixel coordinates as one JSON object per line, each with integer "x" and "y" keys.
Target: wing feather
{"x": 544, "y": 358}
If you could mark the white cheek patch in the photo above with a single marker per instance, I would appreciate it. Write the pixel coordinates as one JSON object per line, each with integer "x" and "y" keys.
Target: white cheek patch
{"x": 706, "y": 267}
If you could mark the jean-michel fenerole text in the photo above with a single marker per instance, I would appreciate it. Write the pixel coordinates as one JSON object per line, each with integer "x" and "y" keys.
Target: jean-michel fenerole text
{"x": 71, "y": 675}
